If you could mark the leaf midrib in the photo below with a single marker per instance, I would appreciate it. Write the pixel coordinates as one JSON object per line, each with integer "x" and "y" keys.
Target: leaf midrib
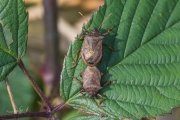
{"x": 8, "y": 52}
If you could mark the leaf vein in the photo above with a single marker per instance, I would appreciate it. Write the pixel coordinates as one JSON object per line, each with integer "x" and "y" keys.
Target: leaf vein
{"x": 148, "y": 22}
{"x": 167, "y": 96}
{"x": 4, "y": 6}
{"x": 137, "y": 104}
{"x": 171, "y": 14}
{"x": 130, "y": 29}
{"x": 127, "y": 110}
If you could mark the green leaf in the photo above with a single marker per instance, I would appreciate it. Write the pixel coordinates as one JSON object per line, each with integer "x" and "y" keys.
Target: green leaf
{"x": 23, "y": 93}
{"x": 90, "y": 118}
{"x": 13, "y": 34}
{"x": 144, "y": 71}
{"x": 72, "y": 114}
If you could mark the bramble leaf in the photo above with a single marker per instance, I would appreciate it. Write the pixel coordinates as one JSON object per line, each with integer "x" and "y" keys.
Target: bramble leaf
{"x": 145, "y": 70}
{"x": 13, "y": 34}
{"x": 23, "y": 93}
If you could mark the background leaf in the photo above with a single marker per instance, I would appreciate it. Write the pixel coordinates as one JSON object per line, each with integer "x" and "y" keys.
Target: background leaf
{"x": 23, "y": 93}
{"x": 144, "y": 71}
{"x": 13, "y": 34}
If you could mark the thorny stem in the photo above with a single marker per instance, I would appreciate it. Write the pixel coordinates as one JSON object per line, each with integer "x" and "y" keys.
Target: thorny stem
{"x": 11, "y": 96}
{"x": 27, "y": 114}
{"x": 45, "y": 114}
{"x": 35, "y": 86}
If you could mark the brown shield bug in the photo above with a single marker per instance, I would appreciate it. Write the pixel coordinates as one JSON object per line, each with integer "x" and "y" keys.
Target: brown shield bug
{"x": 91, "y": 80}
{"x": 91, "y": 77}
{"x": 91, "y": 51}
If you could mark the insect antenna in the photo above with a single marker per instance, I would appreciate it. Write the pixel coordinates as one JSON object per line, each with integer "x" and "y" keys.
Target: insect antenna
{"x": 83, "y": 17}
{"x": 84, "y": 30}
{"x": 104, "y": 21}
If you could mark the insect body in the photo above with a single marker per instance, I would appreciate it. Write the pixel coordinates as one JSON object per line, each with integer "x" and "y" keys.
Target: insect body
{"x": 91, "y": 51}
{"x": 91, "y": 77}
{"x": 91, "y": 80}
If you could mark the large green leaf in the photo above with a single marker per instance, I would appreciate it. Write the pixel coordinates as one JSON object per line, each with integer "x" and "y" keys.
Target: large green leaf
{"x": 146, "y": 69}
{"x": 13, "y": 34}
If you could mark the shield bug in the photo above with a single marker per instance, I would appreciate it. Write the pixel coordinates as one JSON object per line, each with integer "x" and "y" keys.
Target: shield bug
{"x": 91, "y": 80}
{"x": 91, "y": 51}
{"x": 91, "y": 77}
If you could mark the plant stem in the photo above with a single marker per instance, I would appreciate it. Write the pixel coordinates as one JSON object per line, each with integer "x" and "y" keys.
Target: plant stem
{"x": 51, "y": 67}
{"x": 11, "y": 96}
{"x": 35, "y": 86}
{"x": 27, "y": 114}
{"x": 58, "y": 107}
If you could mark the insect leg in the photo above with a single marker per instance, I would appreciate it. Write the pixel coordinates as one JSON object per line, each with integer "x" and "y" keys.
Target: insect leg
{"x": 84, "y": 31}
{"x": 74, "y": 78}
{"x": 99, "y": 103}
{"x": 75, "y": 60}
{"x": 101, "y": 74}
{"x": 110, "y": 48}
{"x": 107, "y": 83}
{"x": 109, "y": 30}
{"x": 82, "y": 36}
{"x": 79, "y": 38}
{"x": 81, "y": 91}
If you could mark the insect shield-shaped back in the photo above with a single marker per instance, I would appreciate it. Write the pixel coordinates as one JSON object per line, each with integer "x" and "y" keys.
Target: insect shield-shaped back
{"x": 91, "y": 51}
{"x": 91, "y": 77}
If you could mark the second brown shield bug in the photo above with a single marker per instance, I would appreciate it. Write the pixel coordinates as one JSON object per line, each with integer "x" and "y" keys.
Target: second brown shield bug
{"x": 91, "y": 80}
{"x": 91, "y": 51}
{"x": 91, "y": 77}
